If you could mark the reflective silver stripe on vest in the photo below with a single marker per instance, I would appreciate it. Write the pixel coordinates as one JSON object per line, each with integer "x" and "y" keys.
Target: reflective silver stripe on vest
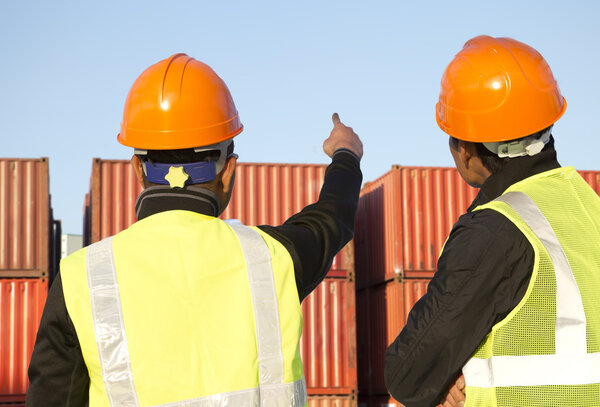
{"x": 571, "y": 364}
{"x": 264, "y": 301}
{"x": 277, "y": 395}
{"x": 533, "y": 370}
{"x": 571, "y": 337}
{"x": 112, "y": 342}
{"x": 108, "y": 325}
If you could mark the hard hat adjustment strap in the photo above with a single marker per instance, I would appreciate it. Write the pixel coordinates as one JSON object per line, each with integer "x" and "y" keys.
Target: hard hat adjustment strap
{"x": 179, "y": 174}
{"x": 530, "y": 145}
{"x": 221, "y": 148}
{"x": 197, "y": 173}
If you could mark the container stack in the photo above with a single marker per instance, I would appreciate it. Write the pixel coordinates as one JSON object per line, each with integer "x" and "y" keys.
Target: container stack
{"x": 263, "y": 194}
{"x": 402, "y": 222}
{"x": 27, "y": 249}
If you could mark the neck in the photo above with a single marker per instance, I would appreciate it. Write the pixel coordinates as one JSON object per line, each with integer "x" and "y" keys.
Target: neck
{"x": 162, "y": 198}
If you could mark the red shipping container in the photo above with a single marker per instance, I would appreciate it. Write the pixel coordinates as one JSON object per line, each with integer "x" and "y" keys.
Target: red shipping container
{"x": 21, "y": 305}
{"x": 264, "y": 194}
{"x": 12, "y": 400}
{"x": 405, "y": 216}
{"x": 332, "y": 401}
{"x": 403, "y": 220}
{"x": 381, "y": 315}
{"x": 25, "y": 220}
{"x": 592, "y": 178}
{"x": 328, "y": 344}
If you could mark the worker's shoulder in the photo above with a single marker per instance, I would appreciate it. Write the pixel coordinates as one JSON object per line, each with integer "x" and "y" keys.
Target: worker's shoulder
{"x": 485, "y": 220}
{"x": 273, "y": 237}
{"x": 485, "y": 227}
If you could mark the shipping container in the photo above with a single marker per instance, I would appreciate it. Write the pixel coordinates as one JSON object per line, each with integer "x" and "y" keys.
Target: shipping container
{"x": 382, "y": 311}
{"x": 12, "y": 400}
{"x": 21, "y": 305}
{"x": 264, "y": 194}
{"x": 328, "y": 344}
{"x": 403, "y": 220}
{"x": 592, "y": 178}
{"x": 25, "y": 218}
{"x": 332, "y": 401}
{"x": 405, "y": 216}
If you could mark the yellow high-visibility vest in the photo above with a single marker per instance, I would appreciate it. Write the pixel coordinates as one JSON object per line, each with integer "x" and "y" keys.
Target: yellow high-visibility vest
{"x": 546, "y": 352}
{"x": 183, "y": 309}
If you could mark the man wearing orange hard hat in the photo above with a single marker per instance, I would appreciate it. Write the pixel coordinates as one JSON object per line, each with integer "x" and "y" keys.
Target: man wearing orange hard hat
{"x": 512, "y": 313}
{"x": 182, "y": 308}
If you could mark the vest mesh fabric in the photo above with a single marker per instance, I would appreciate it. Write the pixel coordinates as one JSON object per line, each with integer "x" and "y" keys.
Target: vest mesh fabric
{"x": 573, "y": 211}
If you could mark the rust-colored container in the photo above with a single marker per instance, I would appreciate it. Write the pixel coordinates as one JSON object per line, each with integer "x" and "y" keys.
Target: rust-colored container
{"x": 403, "y": 220}
{"x": 25, "y": 220}
{"x": 110, "y": 204}
{"x": 264, "y": 194}
{"x": 382, "y": 312}
{"x": 21, "y": 305}
{"x": 592, "y": 178}
{"x": 328, "y": 345}
{"x": 332, "y": 401}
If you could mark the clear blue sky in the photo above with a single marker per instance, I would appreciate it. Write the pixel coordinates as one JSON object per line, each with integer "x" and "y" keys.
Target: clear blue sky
{"x": 67, "y": 67}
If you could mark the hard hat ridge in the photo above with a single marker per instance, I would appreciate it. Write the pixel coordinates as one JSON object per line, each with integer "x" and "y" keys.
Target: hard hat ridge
{"x": 178, "y": 103}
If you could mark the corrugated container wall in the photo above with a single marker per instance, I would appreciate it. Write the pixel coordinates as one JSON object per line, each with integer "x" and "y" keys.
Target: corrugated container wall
{"x": 592, "y": 178}
{"x": 405, "y": 216}
{"x": 382, "y": 314}
{"x": 263, "y": 194}
{"x": 403, "y": 220}
{"x": 21, "y": 305}
{"x": 331, "y": 401}
{"x": 328, "y": 345}
{"x": 25, "y": 220}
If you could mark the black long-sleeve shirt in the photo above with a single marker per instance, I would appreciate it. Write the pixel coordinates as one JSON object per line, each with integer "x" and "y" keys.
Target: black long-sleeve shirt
{"x": 57, "y": 372}
{"x": 481, "y": 276}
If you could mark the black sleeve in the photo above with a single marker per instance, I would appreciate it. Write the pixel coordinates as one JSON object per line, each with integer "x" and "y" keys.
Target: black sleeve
{"x": 316, "y": 234}
{"x": 57, "y": 372}
{"x": 482, "y": 274}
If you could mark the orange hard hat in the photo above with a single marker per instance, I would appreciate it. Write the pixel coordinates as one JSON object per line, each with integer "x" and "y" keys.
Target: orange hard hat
{"x": 178, "y": 103}
{"x": 497, "y": 89}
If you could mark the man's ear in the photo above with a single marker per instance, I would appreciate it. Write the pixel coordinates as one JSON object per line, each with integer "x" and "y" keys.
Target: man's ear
{"x": 228, "y": 174}
{"x": 466, "y": 151}
{"x": 136, "y": 163}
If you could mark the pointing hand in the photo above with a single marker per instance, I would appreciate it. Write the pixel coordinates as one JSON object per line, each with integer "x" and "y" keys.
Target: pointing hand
{"x": 342, "y": 137}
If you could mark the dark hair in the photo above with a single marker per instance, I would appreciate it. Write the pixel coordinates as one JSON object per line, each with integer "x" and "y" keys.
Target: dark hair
{"x": 490, "y": 160}
{"x": 183, "y": 156}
